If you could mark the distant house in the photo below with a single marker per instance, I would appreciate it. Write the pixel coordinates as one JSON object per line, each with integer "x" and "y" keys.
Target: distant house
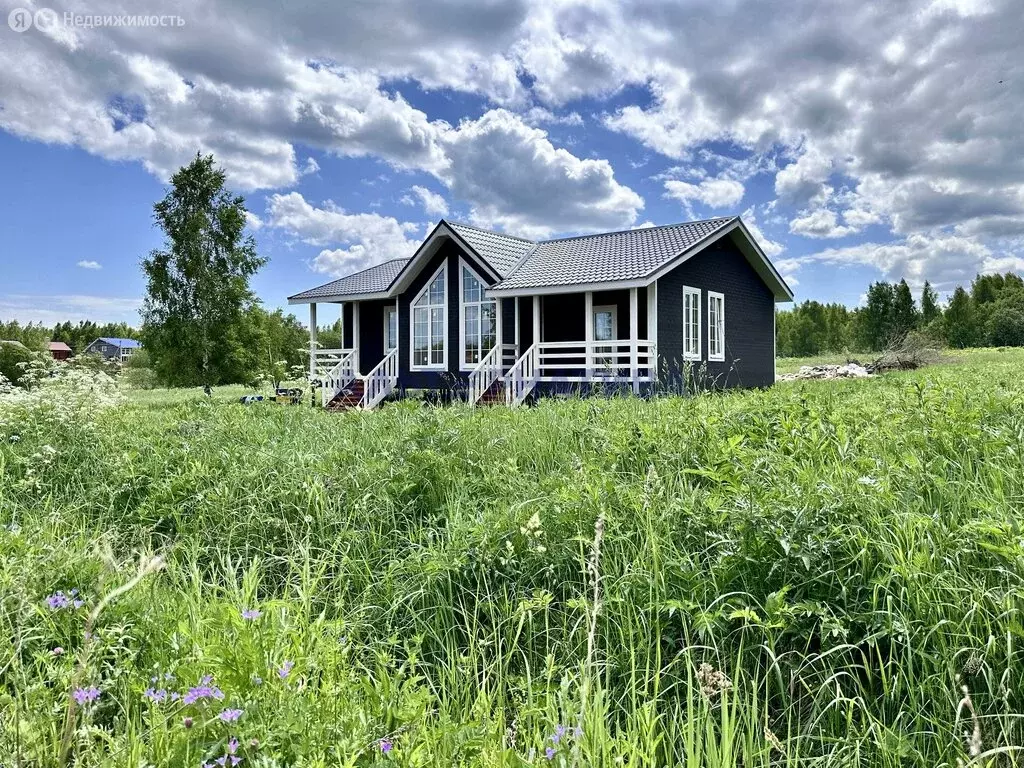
{"x": 512, "y": 319}
{"x": 59, "y": 350}
{"x": 113, "y": 349}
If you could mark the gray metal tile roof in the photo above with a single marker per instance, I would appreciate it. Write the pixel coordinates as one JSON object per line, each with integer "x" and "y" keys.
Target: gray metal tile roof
{"x": 629, "y": 255}
{"x": 375, "y": 279}
{"x": 501, "y": 251}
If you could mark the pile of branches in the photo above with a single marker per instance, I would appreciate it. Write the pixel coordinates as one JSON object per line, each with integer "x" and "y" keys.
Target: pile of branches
{"x": 907, "y": 353}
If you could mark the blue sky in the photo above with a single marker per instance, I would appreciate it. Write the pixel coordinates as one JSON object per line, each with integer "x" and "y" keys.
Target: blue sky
{"x": 878, "y": 146}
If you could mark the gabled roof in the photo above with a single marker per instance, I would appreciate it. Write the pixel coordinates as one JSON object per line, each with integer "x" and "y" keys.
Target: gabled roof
{"x": 373, "y": 280}
{"x": 59, "y": 346}
{"x": 501, "y": 251}
{"x": 629, "y": 258}
{"x": 121, "y": 343}
{"x": 631, "y": 254}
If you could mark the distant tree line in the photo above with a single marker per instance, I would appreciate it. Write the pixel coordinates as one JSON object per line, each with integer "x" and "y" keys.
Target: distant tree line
{"x": 78, "y": 336}
{"x": 990, "y": 314}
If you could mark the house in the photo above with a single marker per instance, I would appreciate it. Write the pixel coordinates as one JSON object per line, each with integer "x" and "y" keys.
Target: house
{"x": 59, "y": 350}
{"x": 113, "y": 349}
{"x": 508, "y": 318}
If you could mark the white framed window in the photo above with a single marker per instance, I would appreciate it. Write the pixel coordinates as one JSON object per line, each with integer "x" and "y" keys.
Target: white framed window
{"x": 716, "y": 326}
{"x": 478, "y": 318}
{"x": 429, "y": 324}
{"x": 691, "y": 323}
{"x": 390, "y": 329}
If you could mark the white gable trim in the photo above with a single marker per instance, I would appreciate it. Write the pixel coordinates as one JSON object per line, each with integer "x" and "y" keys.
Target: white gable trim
{"x": 426, "y": 251}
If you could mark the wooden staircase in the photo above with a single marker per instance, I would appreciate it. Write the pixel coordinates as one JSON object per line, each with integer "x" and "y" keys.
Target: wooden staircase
{"x": 350, "y": 397}
{"x": 495, "y": 394}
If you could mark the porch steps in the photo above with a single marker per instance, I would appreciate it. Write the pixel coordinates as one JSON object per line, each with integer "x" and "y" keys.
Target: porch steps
{"x": 495, "y": 395}
{"x": 348, "y": 398}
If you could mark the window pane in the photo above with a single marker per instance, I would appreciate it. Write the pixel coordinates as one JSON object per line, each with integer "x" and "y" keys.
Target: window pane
{"x": 471, "y": 288}
{"x": 436, "y": 291}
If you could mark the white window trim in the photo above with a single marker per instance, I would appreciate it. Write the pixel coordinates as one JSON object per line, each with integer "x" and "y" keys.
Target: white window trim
{"x": 720, "y": 356}
{"x": 463, "y": 365}
{"x": 390, "y": 310}
{"x": 688, "y": 291}
{"x": 443, "y": 366}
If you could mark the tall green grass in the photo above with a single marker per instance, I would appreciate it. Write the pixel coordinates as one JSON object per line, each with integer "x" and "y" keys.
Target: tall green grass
{"x": 808, "y": 575}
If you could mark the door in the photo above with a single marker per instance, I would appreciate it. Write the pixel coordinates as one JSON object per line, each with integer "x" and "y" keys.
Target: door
{"x": 605, "y": 329}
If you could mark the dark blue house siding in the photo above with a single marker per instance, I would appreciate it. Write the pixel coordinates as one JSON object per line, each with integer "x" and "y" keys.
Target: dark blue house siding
{"x": 371, "y": 333}
{"x": 749, "y": 321}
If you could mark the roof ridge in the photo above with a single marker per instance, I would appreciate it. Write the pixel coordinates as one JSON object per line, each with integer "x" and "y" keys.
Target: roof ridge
{"x": 722, "y": 219}
{"x": 488, "y": 231}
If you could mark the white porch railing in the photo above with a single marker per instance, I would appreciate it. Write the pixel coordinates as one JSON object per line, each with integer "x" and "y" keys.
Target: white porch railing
{"x": 381, "y": 381}
{"x": 521, "y": 377}
{"x": 338, "y": 377}
{"x": 325, "y": 359}
{"x": 619, "y": 360}
{"x": 489, "y": 370}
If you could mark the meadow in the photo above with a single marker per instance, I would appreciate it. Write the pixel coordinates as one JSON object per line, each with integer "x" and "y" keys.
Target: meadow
{"x": 819, "y": 574}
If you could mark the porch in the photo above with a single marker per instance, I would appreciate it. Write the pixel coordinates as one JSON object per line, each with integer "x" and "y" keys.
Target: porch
{"x": 537, "y": 347}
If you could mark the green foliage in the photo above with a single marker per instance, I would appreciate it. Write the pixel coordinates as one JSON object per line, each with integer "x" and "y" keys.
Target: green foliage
{"x": 198, "y": 285}
{"x": 961, "y": 321}
{"x": 1005, "y": 324}
{"x": 987, "y": 314}
{"x": 800, "y": 576}
{"x": 15, "y": 358}
{"x": 905, "y": 317}
{"x": 930, "y": 310}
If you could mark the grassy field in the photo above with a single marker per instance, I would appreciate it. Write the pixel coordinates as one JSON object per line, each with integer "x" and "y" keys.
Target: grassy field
{"x": 809, "y": 575}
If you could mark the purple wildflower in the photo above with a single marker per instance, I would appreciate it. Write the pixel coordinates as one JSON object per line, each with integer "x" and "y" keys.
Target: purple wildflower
{"x": 549, "y": 753}
{"x": 386, "y": 746}
{"x": 285, "y": 669}
{"x": 78, "y": 603}
{"x": 58, "y": 651}
{"x": 558, "y": 734}
{"x": 230, "y": 715}
{"x": 203, "y": 691}
{"x": 251, "y": 614}
{"x": 86, "y": 695}
{"x": 57, "y": 601}
{"x": 256, "y": 680}
{"x": 233, "y": 745}
{"x": 187, "y": 722}
{"x": 577, "y": 732}
{"x": 175, "y": 695}
{"x": 157, "y": 696}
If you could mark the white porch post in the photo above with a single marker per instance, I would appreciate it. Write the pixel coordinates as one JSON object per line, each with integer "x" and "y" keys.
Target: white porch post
{"x": 355, "y": 336}
{"x": 499, "y": 330}
{"x": 634, "y": 335}
{"x": 588, "y": 331}
{"x": 515, "y": 302}
{"x": 536, "y": 319}
{"x": 652, "y": 327}
{"x": 312, "y": 340}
